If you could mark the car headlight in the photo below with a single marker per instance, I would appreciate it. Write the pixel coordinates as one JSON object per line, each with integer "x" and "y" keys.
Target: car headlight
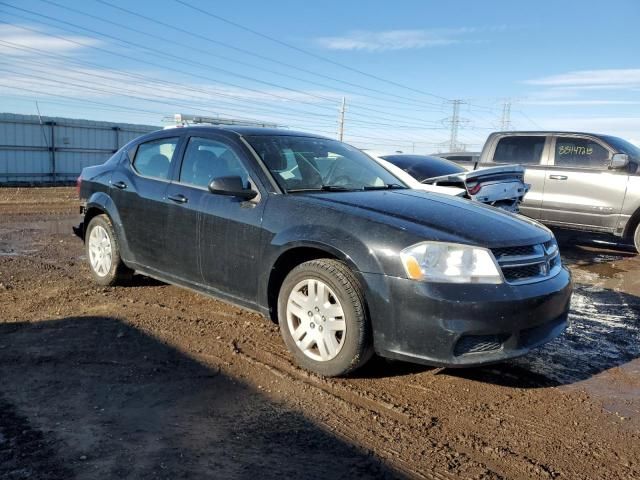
{"x": 450, "y": 263}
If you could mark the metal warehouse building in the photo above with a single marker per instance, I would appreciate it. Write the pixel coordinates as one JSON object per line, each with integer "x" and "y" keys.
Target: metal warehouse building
{"x": 54, "y": 150}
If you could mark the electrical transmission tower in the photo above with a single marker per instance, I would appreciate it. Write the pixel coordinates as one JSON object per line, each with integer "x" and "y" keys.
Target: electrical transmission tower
{"x": 455, "y": 122}
{"x": 505, "y": 122}
{"x": 341, "y": 120}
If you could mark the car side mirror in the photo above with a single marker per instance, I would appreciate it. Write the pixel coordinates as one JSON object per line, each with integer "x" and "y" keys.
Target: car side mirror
{"x": 231, "y": 186}
{"x": 618, "y": 161}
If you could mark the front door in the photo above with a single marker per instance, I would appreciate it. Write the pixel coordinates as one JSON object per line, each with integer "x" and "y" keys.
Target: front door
{"x": 580, "y": 191}
{"x": 214, "y": 239}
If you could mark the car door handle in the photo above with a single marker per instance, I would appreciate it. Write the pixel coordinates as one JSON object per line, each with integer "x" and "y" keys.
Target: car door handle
{"x": 120, "y": 185}
{"x": 558, "y": 177}
{"x": 179, "y": 198}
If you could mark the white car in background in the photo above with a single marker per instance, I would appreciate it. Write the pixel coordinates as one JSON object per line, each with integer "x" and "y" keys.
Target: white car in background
{"x": 501, "y": 187}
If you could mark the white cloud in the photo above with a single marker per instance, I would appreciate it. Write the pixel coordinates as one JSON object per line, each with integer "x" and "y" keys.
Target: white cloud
{"x": 27, "y": 38}
{"x": 53, "y": 78}
{"x": 580, "y": 103}
{"x": 622, "y": 78}
{"x": 393, "y": 39}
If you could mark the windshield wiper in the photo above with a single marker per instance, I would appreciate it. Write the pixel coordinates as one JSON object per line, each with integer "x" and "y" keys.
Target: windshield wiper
{"x": 388, "y": 186}
{"x": 335, "y": 188}
{"x": 323, "y": 188}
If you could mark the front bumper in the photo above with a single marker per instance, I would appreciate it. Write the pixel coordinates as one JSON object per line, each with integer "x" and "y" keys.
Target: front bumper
{"x": 457, "y": 325}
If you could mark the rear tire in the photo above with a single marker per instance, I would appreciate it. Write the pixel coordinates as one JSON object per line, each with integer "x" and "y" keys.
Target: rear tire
{"x": 103, "y": 253}
{"x": 323, "y": 320}
{"x": 636, "y": 238}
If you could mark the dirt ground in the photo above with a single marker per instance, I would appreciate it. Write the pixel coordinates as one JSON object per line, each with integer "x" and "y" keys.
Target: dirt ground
{"x": 153, "y": 381}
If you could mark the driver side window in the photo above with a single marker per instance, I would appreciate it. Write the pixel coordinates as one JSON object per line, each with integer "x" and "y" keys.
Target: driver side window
{"x": 580, "y": 153}
{"x": 206, "y": 159}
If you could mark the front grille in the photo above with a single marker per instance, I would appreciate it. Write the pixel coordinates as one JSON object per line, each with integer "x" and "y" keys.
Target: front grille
{"x": 529, "y": 263}
{"x": 478, "y": 344}
{"x": 515, "y": 274}
{"x": 514, "y": 251}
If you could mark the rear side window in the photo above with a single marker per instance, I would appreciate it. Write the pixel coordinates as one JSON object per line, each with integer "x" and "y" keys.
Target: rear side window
{"x": 456, "y": 158}
{"x": 206, "y": 159}
{"x": 523, "y": 150}
{"x": 153, "y": 159}
{"x": 580, "y": 153}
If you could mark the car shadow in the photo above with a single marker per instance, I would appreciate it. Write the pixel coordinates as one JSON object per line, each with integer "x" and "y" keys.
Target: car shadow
{"x": 603, "y": 333}
{"x": 95, "y": 398}
{"x": 586, "y": 246}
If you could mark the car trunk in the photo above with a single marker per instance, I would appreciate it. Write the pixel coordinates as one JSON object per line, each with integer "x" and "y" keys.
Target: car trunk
{"x": 501, "y": 187}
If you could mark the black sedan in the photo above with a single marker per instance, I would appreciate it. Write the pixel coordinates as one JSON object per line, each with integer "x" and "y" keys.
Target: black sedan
{"x": 327, "y": 242}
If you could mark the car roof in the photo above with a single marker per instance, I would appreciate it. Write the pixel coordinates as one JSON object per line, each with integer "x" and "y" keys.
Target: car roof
{"x": 251, "y": 131}
{"x": 548, "y": 132}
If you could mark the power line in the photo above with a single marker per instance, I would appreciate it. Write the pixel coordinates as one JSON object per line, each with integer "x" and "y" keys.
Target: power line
{"x": 156, "y": 53}
{"x": 173, "y": 41}
{"x": 306, "y": 52}
{"x": 234, "y": 106}
{"x": 411, "y": 101}
{"x": 357, "y": 121}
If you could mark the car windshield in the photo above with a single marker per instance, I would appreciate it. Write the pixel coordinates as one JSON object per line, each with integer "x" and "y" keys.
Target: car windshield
{"x": 622, "y": 146}
{"x": 422, "y": 167}
{"x": 319, "y": 164}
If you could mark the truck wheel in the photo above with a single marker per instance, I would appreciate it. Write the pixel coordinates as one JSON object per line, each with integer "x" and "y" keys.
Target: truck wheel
{"x": 323, "y": 318}
{"x": 636, "y": 238}
{"x": 103, "y": 253}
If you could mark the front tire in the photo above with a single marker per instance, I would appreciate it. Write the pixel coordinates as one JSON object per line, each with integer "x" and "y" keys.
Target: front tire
{"x": 323, "y": 319}
{"x": 636, "y": 238}
{"x": 103, "y": 253}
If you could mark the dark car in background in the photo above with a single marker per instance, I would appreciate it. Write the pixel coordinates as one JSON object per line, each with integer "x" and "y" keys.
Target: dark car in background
{"x": 316, "y": 235}
{"x": 468, "y": 160}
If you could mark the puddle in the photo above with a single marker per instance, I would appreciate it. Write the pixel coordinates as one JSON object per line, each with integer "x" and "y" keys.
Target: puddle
{"x": 603, "y": 333}
{"x": 19, "y": 239}
{"x": 600, "y": 351}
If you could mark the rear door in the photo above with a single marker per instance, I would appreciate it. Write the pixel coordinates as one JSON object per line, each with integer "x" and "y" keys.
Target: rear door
{"x": 580, "y": 190}
{"x": 530, "y": 151}
{"x": 138, "y": 190}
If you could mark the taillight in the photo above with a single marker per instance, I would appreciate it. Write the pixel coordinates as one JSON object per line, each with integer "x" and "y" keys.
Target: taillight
{"x": 473, "y": 188}
{"x": 78, "y": 185}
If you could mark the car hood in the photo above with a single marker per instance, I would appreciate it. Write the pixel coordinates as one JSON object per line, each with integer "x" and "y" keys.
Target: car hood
{"x": 454, "y": 218}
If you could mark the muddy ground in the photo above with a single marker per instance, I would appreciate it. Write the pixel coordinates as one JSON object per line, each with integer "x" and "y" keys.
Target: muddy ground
{"x": 152, "y": 381}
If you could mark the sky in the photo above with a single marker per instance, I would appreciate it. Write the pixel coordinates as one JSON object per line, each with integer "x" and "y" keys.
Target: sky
{"x": 399, "y": 65}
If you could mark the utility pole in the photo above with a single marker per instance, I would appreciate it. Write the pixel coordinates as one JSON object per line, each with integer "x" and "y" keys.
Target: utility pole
{"x": 455, "y": 124}
{"x": 505, "y": 123}
{"x": 341, "y": 120}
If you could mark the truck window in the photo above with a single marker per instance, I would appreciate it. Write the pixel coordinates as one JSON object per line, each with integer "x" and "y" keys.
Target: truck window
{"x": 580, "y": 153}
{"x": 521, "y": 150}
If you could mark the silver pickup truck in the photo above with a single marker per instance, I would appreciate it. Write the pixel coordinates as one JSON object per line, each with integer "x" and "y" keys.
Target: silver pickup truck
{"x": 580, "y": 181}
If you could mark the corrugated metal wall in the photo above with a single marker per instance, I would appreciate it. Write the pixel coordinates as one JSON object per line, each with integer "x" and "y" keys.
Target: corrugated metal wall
{"x": 59, "y": 148}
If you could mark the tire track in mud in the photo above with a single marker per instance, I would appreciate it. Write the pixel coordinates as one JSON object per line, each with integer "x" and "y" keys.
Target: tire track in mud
{"x": 465, "y": 445}
{"x": 427, "y": 423}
